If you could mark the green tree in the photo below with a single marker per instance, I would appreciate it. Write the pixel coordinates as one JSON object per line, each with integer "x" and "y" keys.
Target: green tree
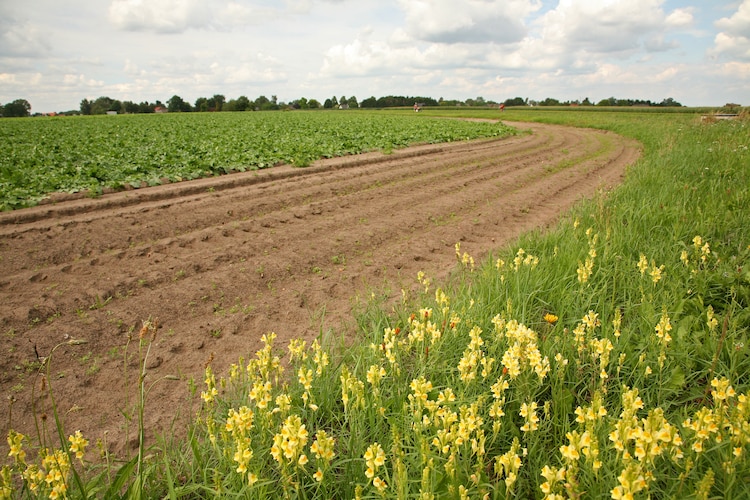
{"x": 550, "y": 101}
{"x": 669, "y": 102}
{"x": 85, "y": 107}
{"x": 216, "y": 102}
{"x": 370, "y": 102}
{"x": 101, "y": 105}
{"x": 130, "y": 107}
{"x": 516, "y": 101}
{"x": 314, "y": 104}
{"x": 17, "y": 108}
{"x": 176, "y": 104}
{"x": 201, "y": 104}
{"x": 352, "y": 102}
{"x": 243, "y": 103}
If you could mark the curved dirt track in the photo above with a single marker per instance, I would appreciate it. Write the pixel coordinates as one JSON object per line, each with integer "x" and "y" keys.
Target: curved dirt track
{"x": 222, "y": 261}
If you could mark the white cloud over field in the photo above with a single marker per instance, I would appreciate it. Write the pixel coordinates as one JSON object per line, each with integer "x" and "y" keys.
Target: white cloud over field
{"x": 56, "y": 53}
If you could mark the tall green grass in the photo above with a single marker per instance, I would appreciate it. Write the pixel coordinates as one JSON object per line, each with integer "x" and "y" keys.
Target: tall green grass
{"x": 605, "y": 357}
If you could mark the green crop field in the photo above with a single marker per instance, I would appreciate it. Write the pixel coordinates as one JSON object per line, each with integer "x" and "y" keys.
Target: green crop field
{"x": 606, "y": 357}
{"x": 69, "y": 154}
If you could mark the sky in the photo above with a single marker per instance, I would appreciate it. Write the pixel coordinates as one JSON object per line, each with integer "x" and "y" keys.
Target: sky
{"x": 54, "y": 53}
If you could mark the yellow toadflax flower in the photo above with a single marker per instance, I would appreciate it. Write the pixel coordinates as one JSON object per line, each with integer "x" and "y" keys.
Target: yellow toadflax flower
{"x": 289, "y": 443}
{"x": 78, "y": 444}
{"x": 528, "y": 411}
{"x": 374, "y": 459}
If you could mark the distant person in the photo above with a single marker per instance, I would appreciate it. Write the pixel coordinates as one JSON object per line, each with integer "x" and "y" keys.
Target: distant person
{"x": 502, "y": 107}
{"x": 416, "y": 107}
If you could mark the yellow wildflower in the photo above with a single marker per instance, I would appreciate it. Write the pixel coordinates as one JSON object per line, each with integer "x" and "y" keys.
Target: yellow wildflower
{"x": 15, "y": 443}
{"x": 374, "y": 459}
{"x": 322, "y": 447}
{"x": 528, "y": 412}
{"x": 721, "y": 391}
{"x": 656, "y": 272}
{"x": 642, "y": 264}
{"x": 78, "y": 444}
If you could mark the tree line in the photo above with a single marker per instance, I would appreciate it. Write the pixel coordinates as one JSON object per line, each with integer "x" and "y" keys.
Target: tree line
{"x": 176, "y": 104}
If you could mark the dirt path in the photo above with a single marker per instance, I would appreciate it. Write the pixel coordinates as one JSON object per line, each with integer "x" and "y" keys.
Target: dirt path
{"x": 222, "y": 261}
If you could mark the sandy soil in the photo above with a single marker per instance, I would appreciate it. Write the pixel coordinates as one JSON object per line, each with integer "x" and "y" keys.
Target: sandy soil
{"x": 221, "y": 261}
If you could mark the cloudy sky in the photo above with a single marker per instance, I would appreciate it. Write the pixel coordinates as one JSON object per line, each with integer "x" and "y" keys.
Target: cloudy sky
{"x": 54, "y": 53}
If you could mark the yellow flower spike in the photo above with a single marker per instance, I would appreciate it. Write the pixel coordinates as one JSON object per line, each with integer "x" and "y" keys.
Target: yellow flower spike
{"x": 78, "y": 444}
{"x": 722, "y": 391}
{"x": 642, "y": 264}
{"x": 550, "y": 318}
{"x": 374, "y": 459}
{"x": 297, "y": 350}
{"x": 379, "y": 484}
{"x": 656, "y": 272}
{"x": 528, "y": 412}
{"x": 15, "y": 443}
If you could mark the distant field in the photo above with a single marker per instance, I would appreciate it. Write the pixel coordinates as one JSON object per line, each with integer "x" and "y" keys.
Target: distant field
{"x": 70, "y": 154}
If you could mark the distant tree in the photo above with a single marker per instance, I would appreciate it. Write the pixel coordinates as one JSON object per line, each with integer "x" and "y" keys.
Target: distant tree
{"x": 301, "y": 103}
{"x": 449, "y": 102}
{"x": 516, "y": 101}
{"x": 243, "y": 103}
{"x": 314, "y": 104}
{"x": 549, "y": 101}
{"x": 216, "y": 102}
{"x": 17, "y": 108}
{"x": 146, "y": 107}
{"x": 342, "y": 100}
{"x": 612, "y": 101}
{"x": 669, "y": 102}
{"x": 201, "y": 104}
{"x": 176, "y": 104}
{"x": 103, "y": 104}
{"x": 129, "y": 107}
{"x": 262, "y": 102}
{"x": 370, "y": 102}
{"x": 352, "y": 102}
{"x": 85, "y": 107}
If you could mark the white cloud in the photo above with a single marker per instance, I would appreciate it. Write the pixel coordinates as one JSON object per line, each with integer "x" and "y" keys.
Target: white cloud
{"x": 680, "y": 18}
{"x": 738, "y": 72}
{"x": 734, "y": 39}
{"x": 604, "y": 27}
{"x": 22, "y": 39}
{"x": 467, "y": 21}
{"x": 161, "y": 16}
{"x": 738, "y": 24}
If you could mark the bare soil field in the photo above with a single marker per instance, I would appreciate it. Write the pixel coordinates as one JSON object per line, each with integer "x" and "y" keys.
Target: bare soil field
{"x": 221, "y": 261}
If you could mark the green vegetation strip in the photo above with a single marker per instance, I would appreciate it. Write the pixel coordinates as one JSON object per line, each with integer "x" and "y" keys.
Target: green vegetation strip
{"x": 71, "y": 154}
{"x": 605, "y": 358}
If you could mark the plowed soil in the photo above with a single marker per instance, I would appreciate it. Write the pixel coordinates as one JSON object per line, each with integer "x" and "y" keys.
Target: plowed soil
{"x": 221, "y": 261}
